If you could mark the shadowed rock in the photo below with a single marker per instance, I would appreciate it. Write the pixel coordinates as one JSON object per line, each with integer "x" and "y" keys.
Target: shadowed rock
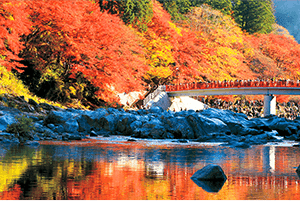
{"x": 211, "y": 178}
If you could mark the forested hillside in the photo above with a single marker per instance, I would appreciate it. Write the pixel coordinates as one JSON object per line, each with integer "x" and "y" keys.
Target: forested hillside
{"x": 85, "y": 52}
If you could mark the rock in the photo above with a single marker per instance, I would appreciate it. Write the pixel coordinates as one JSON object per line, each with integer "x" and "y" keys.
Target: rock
{"x": 6, "y": 120}
{"x": 131, "y": 140}
{"x": 183, "y": 141}
{"x": 258, "y": 124}
{"x": 59, "y": 129}
{"x": 156, "y": 109}
{"x": 59, "y": 117}
{"x": 213, "y": 125}
{"x": 104, "y": 133}
{"x": 32, "y": 143}
{"x": 193, "y": 120}
{"x": 168, "y": 135}
{"x": 285, "y": 128}
{"x": 51, "y": 126}
{"x": 74, "y": 137}
{"x": 179, "y": 127}
{"x": 46, "y": 106}
{"x": 33, "y": 103}
{"x": 210, "y": 172}
{"x": 109, "y": 122}
{"x": 71, "y": 126}
{"x": 93, "y": 134}
{"x": 123, "y": 123}
{"x": 86, "y": 123}
{"x": 225, "y": 116}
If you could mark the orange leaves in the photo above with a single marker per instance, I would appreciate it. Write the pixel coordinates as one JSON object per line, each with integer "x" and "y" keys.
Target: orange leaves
{"x": 13, "y": 24}
{"x": 284, "y": 51}
{"x": 228, "y": 61}
{"x": 93, "y": 43}
{"x": 172, "y": 52}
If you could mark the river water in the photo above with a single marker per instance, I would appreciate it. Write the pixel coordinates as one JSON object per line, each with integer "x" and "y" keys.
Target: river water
{"x": 114, "y": 168}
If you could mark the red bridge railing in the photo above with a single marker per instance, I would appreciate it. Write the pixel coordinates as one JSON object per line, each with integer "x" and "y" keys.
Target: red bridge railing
{"x": 232, "y": 84}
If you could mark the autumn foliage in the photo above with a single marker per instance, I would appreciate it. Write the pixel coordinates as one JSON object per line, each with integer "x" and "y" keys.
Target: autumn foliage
{"x": 90, "y": 51}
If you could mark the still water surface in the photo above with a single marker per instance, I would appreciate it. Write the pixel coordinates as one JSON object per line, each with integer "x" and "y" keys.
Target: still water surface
{"x": 110, "y": 170}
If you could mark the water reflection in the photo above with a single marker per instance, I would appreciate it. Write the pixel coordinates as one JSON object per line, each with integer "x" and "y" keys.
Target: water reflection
{"x": 210, "y": 186}
{"x": 135, "y": 171}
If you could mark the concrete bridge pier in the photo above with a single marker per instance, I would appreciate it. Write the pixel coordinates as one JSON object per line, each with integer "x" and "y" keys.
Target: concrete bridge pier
{"x": 269, "y": 105}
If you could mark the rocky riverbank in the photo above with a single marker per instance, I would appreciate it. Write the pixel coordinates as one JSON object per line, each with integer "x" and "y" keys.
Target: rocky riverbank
{"x": 44, "y": 122}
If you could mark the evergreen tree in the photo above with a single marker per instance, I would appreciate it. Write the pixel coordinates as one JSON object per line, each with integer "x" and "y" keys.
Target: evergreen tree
{"x": 254, "y": 16}
{"x": 135, "y": 12}
{"x": 176, "y": 8}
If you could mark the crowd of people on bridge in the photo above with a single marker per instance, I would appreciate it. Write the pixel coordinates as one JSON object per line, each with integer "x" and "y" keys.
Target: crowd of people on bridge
{"x": 254, "y": 108}
{"x": 233, "y": 84}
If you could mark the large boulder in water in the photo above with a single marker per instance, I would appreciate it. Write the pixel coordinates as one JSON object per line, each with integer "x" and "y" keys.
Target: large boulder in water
{"x": 210, "y": 172}
{"x": 211, "y": 178}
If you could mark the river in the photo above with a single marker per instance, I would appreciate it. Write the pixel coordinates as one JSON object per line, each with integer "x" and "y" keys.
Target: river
{"x": 115, "y": 169}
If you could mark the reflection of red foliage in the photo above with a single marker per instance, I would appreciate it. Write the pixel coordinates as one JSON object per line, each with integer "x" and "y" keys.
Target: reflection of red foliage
{"x": 127, "y": 177}
{"x": 74, "y": 190}
{"x": 11, "y": 194}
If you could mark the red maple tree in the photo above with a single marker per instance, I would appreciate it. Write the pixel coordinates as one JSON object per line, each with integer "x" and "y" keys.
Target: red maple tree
{"x": 13, "y": 24}
{"x": 80, "y": 39}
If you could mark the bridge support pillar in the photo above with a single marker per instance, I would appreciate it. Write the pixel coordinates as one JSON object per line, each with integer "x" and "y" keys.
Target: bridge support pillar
{"x": 269, "y": 105}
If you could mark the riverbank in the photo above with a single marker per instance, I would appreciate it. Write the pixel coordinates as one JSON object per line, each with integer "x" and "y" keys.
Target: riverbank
{"x": 43, "y": 122}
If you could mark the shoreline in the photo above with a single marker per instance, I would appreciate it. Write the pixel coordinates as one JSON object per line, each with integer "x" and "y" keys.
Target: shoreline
{"x": 48, "y": 123}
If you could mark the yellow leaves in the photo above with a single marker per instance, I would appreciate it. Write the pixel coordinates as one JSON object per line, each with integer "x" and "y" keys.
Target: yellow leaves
{"x": 177, "y": 29}
{"x": 72, "y": 90}
{"x": 225, "y": 63}
{"x": 159, "y": 72}
{"x": 159, "y": 50}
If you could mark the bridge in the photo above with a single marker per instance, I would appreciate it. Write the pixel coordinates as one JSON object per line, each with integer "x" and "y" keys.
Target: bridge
{"x": 242, "y": 87}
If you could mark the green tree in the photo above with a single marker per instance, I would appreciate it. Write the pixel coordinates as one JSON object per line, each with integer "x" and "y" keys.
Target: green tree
{"x": 254, "y": 16}
{"x": 135, "y": 12}
{"x": 176, "y": 8}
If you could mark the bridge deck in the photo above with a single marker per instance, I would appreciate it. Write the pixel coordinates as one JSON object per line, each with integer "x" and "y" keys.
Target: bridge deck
{"x": 237, "y": 91}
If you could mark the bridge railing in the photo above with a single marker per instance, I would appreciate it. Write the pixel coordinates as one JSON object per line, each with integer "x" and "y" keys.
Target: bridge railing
{"x": 232, "y": 84}
{"x": 151, "y": 96}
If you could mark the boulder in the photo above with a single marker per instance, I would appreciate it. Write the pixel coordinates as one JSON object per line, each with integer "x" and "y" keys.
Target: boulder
{"x": 285, "y": 128}
{"x": 123, "y": 122}
{"x": 179, "y": 127}
{"x": 6, "y": 120}
{"x": 59, "y": 117}
{"x": 210, "y": 172}
{"x": 109, "y": 122}
{"x": 242, "y": 130}
{"x": 258, "y": 124}
{"x": 225, "y": 116}
{"x": 195, "y": 123}
{"x": 156, "y": 109}
{"x": 71, "y": 126}
{"x": 213, "y": 125}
